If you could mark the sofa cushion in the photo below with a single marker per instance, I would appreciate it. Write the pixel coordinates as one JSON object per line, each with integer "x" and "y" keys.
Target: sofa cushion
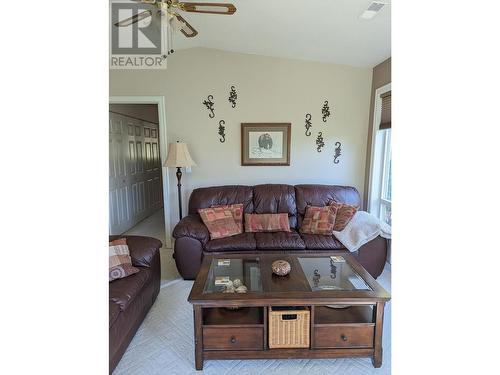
{"x": 221, "y": 195}
{"x": 220, "y": 222}
{"x": 236, "y": 211}
{"x": 323, "y": 195}
{"x": 279, "y": 241}
{"x": 120, "y": 262}
{"x": 114, "y": 311}
{"x": 319, "y": 220}
{"x": 345, "y": 213}
{"x": 321, "y": 242}
{"x": 123, "y": 291}
{"x": 275, "y": 199}
{"x": 243, "y": 241}
{"x": 267, "y": 223}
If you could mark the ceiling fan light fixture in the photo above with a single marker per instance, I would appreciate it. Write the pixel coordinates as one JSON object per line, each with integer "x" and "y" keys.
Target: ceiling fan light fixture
{"x": 214, "y": 8}
{"x": 136, "y": 18}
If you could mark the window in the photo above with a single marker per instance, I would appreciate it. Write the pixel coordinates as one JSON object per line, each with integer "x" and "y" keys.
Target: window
{"x": 380, "y": 190}
{"x": 386, "y": 191}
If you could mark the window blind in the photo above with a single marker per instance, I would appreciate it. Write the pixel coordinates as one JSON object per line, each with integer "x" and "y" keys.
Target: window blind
{"x": 385, "y": 118}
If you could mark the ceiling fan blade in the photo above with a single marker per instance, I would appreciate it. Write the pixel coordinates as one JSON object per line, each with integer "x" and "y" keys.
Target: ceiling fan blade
{"x": 135, "y": 18}
{"x": 184, "y": 26}
{"x": 214, "y": 8}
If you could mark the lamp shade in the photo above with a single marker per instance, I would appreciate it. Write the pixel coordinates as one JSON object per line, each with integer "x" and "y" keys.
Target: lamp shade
{"x": 178, "y": 156}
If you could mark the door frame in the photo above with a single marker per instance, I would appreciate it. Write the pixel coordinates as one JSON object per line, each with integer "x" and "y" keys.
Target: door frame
{"x": 162, "y": 126}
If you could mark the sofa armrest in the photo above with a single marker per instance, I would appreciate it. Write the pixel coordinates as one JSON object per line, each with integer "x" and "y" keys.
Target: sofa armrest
{"x": 192, "y": 226}
{"x": 142, "y": 249}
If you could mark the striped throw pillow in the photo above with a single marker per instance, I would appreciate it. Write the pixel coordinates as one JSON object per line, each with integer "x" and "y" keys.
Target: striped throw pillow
{"x": 120, "y": 263}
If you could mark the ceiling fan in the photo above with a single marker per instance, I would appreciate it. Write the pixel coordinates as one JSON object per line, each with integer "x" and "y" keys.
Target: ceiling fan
{"x": 167, "y": 9}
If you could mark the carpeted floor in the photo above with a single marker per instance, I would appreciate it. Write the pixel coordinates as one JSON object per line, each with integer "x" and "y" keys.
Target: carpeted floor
{"x": 164, "y": 344}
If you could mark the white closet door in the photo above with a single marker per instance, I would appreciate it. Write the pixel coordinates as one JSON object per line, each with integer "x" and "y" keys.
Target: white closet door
{"x": 120, "y": 210}
{"x": 135, "y": 186}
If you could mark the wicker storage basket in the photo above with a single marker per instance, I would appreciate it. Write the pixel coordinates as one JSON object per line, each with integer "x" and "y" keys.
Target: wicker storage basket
{"x": 289, "y": 328}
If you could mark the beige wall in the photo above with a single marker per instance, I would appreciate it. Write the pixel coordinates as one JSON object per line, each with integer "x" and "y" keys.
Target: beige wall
{"x": 381, "y": 77}
{"x": 269, "y": 90}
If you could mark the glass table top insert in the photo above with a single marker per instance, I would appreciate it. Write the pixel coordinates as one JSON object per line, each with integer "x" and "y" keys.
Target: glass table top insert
{"x": 331, "y": 273}
{"x": 224, "y": 272}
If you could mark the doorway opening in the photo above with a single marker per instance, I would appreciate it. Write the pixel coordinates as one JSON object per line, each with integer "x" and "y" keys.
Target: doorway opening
{"x": 138, "y": 182}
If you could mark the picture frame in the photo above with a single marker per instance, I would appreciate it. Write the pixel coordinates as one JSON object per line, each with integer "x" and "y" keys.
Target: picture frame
{"x": 265, "y": 144}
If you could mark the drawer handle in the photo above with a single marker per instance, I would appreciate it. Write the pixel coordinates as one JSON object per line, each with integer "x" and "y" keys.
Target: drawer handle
{"x": 343, "y": 337}
{"x": 233, "y": 339}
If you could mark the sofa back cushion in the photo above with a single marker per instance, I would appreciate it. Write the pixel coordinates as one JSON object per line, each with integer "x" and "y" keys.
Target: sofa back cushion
{"x": 323, "y": 195}
{"x": 221, "y": 195}
{"x": 275, "y": 199}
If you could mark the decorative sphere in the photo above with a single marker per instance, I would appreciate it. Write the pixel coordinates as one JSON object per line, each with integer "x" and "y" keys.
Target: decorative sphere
{"x": 229, "y": 289}
{"x": 281, "y": 267}
{"x": 241, "y": 289}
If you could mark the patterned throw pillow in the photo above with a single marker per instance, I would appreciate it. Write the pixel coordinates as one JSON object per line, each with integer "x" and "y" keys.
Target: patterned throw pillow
{"x": 345, "y": 213}
{"x": 267, "y": 223}
{"x": 220, "y": 222}
{"x": 237, "y": 211}
{"x": 120, "y": 263}
{"x": 319, "y": 220}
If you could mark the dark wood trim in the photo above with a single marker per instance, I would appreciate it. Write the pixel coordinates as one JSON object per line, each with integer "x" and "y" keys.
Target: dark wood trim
{"x": 288, "y": 353}
{"x": 198, "y": 337}
{"x": 377, "y": 341}
{"x": 311, "y": 327}
{"x": 266, "y": 327}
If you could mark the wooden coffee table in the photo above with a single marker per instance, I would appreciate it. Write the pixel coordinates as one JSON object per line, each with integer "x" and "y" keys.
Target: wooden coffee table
{"x": 315, "y": 281}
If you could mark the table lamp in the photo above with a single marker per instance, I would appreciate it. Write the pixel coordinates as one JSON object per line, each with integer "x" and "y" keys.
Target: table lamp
{"x": 178, "y": 156}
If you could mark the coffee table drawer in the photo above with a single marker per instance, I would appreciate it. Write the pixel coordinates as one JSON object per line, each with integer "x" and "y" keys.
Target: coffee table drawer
{"x": 227, "y": 338}
{"x": 344, "y": 336}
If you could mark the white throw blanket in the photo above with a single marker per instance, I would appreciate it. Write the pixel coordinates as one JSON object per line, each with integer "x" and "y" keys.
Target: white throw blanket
{"x": 362, "y": 228}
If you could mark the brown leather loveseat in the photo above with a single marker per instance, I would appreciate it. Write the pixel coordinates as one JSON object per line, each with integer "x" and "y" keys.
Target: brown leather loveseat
{"x": 193, "y": 239}
{"x": 131, "y": 298}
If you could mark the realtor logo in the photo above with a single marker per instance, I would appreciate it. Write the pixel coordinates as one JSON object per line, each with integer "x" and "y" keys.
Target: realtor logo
{"x": 136, "y": 37}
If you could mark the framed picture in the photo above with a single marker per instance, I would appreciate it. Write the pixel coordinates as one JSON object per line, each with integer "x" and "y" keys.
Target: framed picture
{"x": 265, "y": 144}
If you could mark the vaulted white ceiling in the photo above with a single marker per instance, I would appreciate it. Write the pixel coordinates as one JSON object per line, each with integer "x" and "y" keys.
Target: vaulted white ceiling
{"x": 319, "y": 30}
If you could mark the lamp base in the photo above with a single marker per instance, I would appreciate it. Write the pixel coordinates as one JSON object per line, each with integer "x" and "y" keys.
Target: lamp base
{"x": 178, "y": 174}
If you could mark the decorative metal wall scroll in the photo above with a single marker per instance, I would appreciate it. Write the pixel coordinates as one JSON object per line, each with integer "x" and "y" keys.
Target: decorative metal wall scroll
{"x": 233, "y": 96}
{"x": 337, "y": 152}
{"x": 222, "y": 131}
{"x": 308, "y": 124}
{"x": 210, "y": 106}
{"x": 325, "y": 111}
{"x": 319, "y": 142}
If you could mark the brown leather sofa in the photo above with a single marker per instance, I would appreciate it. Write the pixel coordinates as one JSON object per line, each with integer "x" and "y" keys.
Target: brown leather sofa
{"x": 193, "y": 239}
{"x": 131, "y": 298}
